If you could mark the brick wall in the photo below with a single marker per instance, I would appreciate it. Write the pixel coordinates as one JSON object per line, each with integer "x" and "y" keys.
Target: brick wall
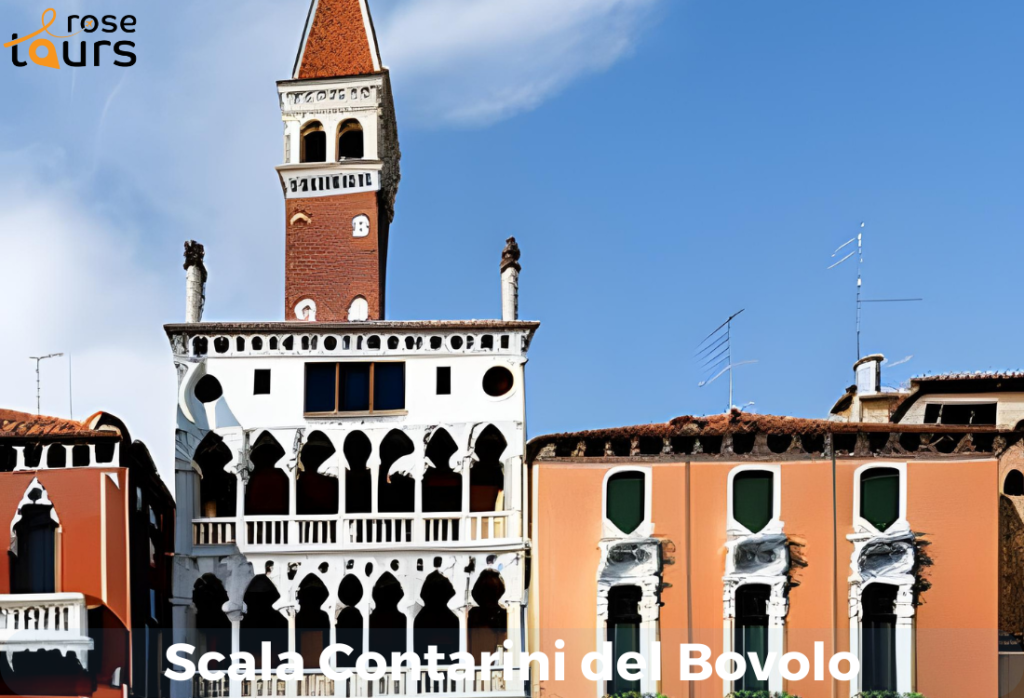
{"x": 324, "y": 262}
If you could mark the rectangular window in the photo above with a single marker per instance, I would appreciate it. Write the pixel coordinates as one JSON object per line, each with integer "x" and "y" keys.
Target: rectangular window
{"x": 261, "y": 381}
{"x": 983, "y": 413}
{"x": 878, "y": 645}
{"x": 355, "y": 387}
{"x": 623, "y": 631}
{"x": 751, "y": 632}
{"x": 444, "y": 380}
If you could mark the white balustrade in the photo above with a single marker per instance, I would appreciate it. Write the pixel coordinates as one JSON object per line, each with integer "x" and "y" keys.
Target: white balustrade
{"x": 32, "y": 622}
{"x": 355, "y": 531}
{"x": 213, "y": 531}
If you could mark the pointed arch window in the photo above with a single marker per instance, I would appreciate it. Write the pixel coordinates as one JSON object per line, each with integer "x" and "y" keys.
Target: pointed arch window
{"x": 34, "y": 550}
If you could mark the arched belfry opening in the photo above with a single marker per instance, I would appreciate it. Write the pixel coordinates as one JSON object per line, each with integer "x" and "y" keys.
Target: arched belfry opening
{"x": 442, "y": 486}
{"x": 487, "y": 477}
{"x": 488, "y": 621}
{"x": 218, "y": 488}
{"x": 435, "y": 624}
{"x": 266, "y": 493}
{"x": 316, "y": 494}
{"x": 387, "y": 623}
{"x": 314, "y": 143}
{"x": 358, "y": 478}
{"x": 262, "y": 623}
{"x": 396, "y": 492}
{"x": 350, "y": 140}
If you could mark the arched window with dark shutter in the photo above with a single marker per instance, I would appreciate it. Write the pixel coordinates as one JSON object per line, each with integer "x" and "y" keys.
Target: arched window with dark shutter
{"x": 625, "y": 500}
{"x": 34, "y": 560}
{"x": 880, "y": 497}
{"x": 753, "y": 499}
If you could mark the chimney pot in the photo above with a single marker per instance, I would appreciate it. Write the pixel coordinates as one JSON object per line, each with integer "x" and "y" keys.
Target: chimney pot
{"x": 195, "y": 281}
{"x": 510, "y": 281}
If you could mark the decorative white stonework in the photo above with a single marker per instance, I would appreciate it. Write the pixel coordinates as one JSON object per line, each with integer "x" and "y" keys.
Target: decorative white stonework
{"x": 306, "y": 310}
{"x": 326, "y": 183}
{"x": 887, "y": 557}
{"x": 35, "y": 495}
{"x": 360, "y": 226}
{"x": 359, "y": 311}
{"x": 757, "y": 558}
{"x": 631, "y": 562}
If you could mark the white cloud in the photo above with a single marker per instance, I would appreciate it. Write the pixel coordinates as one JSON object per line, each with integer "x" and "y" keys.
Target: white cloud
{"x": 478, "y": 61}
{"x": 72, "y": 283}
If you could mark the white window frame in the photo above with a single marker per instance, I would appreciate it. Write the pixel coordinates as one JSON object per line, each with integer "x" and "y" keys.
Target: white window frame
{"x": 861, "y": 524}
{"x": 734, "y": 527}
{"x": 646, "y": 527}
{"x": 865, "y": 532}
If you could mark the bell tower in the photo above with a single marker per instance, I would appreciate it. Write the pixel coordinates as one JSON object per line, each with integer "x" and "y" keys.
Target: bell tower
{"x": 341, "y": 167}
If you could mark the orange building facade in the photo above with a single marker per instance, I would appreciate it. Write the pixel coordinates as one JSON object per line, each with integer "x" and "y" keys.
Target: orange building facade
{"x": 755, "y": 534}
{"x": 84, "y": 586}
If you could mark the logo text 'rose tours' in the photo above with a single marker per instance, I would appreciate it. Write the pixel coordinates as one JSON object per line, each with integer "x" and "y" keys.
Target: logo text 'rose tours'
{"x": 42, "y": 51}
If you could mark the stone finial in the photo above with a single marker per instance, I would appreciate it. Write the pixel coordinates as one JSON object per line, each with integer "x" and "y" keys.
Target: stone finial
{"x": 510, "y": 255}
{"x": 195, "y": 281}
{"x": 194, "y": 255}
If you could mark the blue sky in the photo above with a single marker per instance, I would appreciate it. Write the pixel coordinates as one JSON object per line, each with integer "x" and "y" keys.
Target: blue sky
{"x": 663, "y": 163}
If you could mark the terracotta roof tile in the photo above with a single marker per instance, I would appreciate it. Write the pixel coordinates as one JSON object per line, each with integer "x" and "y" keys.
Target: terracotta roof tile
{"x": 22, "y": 425}
{"x": 337, "y": 43}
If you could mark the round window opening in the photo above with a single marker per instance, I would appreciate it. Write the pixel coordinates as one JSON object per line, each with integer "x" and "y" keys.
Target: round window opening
{"x": 208, "y": 389}
{"x": 498, "y": 381}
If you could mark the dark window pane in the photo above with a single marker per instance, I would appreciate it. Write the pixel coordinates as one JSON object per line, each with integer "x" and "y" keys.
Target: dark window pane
{"x": 444, "y": 380}
{"x": 355, "y": 387}
{"x": 389, "y": 386}
{"x": 751, "y": 633}
{"x": 878, "y": 663}
{"x": 626, "y": 500}
{"x": 880, "y": 497}
{"x": 623, "y": 631}
{"x": 753, "y": 499}
{"x": 33, "y": 569}
{"x": 931, "y": 413}
{"x": 261, "y": 382}
{"x": 320, "y": 387}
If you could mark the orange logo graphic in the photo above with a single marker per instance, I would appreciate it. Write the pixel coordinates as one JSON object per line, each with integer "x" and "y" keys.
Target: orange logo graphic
{"x": 42, "y": 51}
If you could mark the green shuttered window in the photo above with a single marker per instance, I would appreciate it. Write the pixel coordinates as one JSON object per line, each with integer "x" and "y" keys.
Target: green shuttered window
{"x": 625, "y": 500}
{"x": 753, "y": 498}
{"x": 880, "y": 497}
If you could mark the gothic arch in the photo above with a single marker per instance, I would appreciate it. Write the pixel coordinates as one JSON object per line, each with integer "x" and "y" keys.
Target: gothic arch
{"x": 487, "y": 475}
{"x": 267, "y": 490}
{"x": 442, "y": 486}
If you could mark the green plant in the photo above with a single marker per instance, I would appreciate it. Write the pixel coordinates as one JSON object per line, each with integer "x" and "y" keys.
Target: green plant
{"x": 636, "y": 694}
{"x": 760, "y": 694}
{"x": 887, "y": 694}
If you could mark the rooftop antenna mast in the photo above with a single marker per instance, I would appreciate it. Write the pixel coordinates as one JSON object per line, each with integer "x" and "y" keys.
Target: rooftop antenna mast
{"x": 38, "y": 359}
{"x": 715, "y": 355}
{"x": 859, "y": 253}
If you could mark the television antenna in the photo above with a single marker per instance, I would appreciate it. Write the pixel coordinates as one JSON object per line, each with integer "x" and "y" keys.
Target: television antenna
{"x": 38, "y": 359}
{"x": 715, "y": 355}
{"x": 859, "y": 254}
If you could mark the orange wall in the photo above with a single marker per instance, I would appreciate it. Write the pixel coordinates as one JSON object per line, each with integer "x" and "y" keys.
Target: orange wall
{"x": 953, "y": 504}
{"x": 75, "y": 494}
